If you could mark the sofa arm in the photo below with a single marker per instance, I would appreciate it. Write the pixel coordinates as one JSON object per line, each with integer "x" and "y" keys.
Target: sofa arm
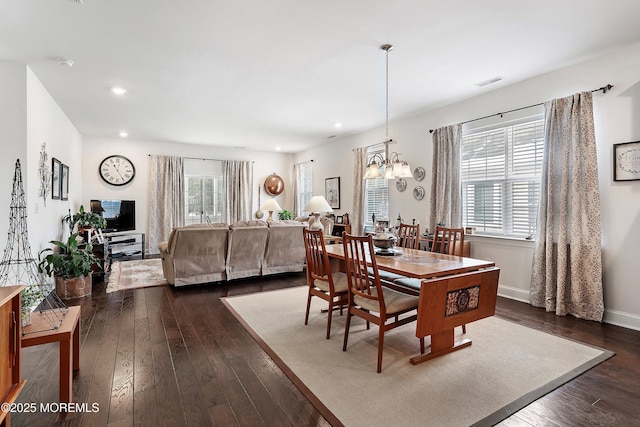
{"x": 163, "y": 247}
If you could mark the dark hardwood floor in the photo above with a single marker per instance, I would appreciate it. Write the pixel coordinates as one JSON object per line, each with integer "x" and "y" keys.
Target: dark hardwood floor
{"x": 176, "y": 357}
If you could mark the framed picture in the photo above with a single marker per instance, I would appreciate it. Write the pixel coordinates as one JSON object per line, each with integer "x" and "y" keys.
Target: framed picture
{"x": 339, "y": 219}
{"x": 626, "y": 161}
{"x": 332, "y": 192}
{"x": 64, "y": 182}
{"x": 55, "y": 178}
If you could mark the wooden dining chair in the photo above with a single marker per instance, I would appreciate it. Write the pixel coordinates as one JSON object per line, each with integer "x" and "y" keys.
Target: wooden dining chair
{"x": 331, "y": 287}
{"x": 408, "y": 236}
{"x": 449, "y": 241}
{"x": 368, "y": 299}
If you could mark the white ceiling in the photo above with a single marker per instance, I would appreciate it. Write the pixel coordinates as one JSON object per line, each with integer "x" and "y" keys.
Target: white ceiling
{"x": 263, "y": 74}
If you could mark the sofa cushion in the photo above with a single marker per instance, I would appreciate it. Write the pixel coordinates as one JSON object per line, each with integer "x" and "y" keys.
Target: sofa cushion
{"x": 285, "y": 248}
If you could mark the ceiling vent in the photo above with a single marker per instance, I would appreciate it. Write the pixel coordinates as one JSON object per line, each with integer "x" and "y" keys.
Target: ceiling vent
{"x": 488, "y": 82}
{"x": 77, "y": 1}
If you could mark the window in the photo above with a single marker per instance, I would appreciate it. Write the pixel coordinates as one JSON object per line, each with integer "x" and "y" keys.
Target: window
{"x": 376, "y": 198}
{"x": 500, "y": 177}
{"x": 204, "y": 191}
{"x": 304, "y": 181}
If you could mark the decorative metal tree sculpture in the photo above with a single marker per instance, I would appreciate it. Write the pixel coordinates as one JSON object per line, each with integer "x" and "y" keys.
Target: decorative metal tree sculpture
{"x": 18, "y": 267}
{"x": 44, "y": 173}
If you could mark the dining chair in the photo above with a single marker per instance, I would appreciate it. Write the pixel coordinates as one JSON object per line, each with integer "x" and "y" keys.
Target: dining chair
{"x": 331, "y": 287}
{"x": 408, "y": 236}
{"x": 368, "y": 299}
{"x": 449, "y": 241}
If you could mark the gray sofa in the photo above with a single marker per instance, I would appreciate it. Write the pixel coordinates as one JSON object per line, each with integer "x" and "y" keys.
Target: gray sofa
{"x": 212, "y": 253}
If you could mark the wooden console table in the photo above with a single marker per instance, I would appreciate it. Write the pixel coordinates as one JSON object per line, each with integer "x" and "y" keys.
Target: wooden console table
{"x": 68, "y": 334}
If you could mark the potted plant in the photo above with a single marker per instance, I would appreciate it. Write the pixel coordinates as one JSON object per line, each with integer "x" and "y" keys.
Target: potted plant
{"x": 84, "y": 221}
{"x": 30, "y": 297}
{"x": 285, "y": 214}
{"x": 71, "y": 266}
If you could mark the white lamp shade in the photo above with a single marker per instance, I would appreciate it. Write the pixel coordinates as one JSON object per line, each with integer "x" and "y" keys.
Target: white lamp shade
{"x": 373, "y": 171}
{"x": 406, "y": 171}
{"x": 318, "y": 204}
{"x": 388, "y": 172}
{"x": 270, "y": 205}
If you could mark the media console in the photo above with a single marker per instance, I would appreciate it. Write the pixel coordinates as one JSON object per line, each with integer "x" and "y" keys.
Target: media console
{"x": 123, "y": 247}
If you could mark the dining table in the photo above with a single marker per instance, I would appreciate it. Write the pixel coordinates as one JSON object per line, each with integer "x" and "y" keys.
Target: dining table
{"x": 454, "y": 291}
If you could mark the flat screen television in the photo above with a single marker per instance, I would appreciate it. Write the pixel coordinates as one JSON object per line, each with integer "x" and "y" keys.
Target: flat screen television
{"x": 120, "y": 214}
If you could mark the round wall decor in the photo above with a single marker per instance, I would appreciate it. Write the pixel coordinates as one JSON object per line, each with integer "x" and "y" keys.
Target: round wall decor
{"x": 117, "y": 170}
{"x": 418, "y": 173}
{"x": 273, "y": 185}
{"x": 401, "y": 184}
{"x": 418, "y": 193}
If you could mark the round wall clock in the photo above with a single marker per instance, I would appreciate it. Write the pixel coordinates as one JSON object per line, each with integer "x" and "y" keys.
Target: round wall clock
{"x": 401, "y": 184}
{"x": 418, "y": 193}
{"x": 117, "y": 170}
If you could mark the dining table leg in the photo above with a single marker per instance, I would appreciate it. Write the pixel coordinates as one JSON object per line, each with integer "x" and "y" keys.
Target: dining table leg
{"x": 441, "y": 343}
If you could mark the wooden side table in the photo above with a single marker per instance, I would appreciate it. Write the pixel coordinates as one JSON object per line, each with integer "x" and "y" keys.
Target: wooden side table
{"x": 68, "y": 334}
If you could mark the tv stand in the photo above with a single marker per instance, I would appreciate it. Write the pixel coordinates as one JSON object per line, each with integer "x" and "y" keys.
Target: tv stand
{"x": 123, "y": 247}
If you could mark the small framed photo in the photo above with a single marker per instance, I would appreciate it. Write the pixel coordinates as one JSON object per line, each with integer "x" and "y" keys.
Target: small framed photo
{"x": 64, "y": 183}
{"x": 332, "y": 192}
{"x": 339, "y": 219}
{"x": 626, "y": 161}
{"x": 56, "y": 166}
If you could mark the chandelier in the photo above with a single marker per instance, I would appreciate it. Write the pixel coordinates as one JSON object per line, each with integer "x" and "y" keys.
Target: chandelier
{"x": 392, "y": 165}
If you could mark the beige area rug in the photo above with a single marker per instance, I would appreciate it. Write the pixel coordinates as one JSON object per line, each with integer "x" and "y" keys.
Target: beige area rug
{"x": 507, "y": 367}
{"x": 135, "y": 274}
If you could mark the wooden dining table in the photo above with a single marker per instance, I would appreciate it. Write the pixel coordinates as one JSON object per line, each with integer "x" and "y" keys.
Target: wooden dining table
{"x": 446, "y": 281}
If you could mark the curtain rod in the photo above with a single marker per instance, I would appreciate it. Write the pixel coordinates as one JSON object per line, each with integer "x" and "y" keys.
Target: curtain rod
{"x": 198, "y": 158}
{"x": 604, "y": 90}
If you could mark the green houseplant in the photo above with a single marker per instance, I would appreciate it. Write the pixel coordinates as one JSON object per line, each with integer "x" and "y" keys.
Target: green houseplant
{"x": 83, "y": 219}
{"x": 30, "y": 297}
{"x": 285, "y": 214}
{"x": 71, "y": 265}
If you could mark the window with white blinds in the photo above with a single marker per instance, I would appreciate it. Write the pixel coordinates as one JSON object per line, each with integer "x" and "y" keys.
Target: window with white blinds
{"x": 500, "y": 177}
{"x": 376, "y": 199}
{"x": 304, "y": 182}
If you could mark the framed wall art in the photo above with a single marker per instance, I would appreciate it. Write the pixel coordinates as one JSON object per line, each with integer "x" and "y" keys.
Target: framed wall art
{"x": 626, "y": 161}
{"x": 64, "y": 182}
{"x": 55, "y": 178}
{"x": 332, "y": 192}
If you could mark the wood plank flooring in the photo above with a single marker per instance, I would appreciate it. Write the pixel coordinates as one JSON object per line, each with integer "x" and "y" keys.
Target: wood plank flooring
{"x": 176, "y": 357}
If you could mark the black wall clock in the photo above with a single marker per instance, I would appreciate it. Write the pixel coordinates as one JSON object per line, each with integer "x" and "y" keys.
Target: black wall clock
{"x": 117, "y": 170}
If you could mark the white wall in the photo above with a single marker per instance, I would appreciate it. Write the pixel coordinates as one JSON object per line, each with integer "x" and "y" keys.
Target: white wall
{"x": 617, "y": 116}
{"x": 13, "y": 134}
{"x": 46, "y": 122}
{"x": 96, "y": 149}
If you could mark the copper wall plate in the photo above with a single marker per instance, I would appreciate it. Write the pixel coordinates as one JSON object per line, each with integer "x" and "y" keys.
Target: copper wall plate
{"x": 273, "y": 185}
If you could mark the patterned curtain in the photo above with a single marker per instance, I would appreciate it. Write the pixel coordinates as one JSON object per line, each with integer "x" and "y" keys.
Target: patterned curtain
{"x": 359, "y": 166}
{"x": 446, "y": 200}
{"x": 567, "y": 262}
{"x": 238, "y": 177}
{"x": 166, "y": 199}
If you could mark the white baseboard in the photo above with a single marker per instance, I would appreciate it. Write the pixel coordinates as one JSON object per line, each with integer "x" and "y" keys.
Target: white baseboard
{"x": 513, "y": 293}
{"x": 612, "y": 317}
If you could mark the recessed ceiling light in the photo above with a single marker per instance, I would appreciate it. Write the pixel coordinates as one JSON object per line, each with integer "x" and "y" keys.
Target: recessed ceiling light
{"x": 277, "y": 148}
{"x": 124, "y": 134}
{"x": 118, "y": 90}
{"x": 337, "y": 125}
{"x": 65, "y": 62}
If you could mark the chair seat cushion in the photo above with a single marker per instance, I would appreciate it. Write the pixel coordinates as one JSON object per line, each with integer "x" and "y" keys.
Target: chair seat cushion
{"x": 386, "y": 275}
{"x": 396, "y": 302}
{"x": 340, "y": 283}
{"x": 408, "y": 282}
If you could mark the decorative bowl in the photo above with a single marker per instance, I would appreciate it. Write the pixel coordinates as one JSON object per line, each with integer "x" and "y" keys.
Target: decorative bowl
{"x": 384, "y": 241}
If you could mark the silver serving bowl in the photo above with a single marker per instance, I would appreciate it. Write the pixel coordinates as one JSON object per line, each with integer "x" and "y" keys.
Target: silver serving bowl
{"x": 384, "y": 243}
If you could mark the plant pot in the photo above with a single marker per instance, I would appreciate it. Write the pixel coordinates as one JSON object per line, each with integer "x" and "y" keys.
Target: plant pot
{"x": 75, "y": 287}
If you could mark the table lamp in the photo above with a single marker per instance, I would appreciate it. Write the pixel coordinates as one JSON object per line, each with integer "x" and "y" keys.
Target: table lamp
{"x": 316, "y": 206}
{"x": 270, "y": 205}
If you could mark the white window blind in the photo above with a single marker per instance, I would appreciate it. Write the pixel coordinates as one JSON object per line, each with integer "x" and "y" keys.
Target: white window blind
{"x": 304, "y": 184}
{"x": 376, "y": 199}
{"x": 500, "y": 174}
